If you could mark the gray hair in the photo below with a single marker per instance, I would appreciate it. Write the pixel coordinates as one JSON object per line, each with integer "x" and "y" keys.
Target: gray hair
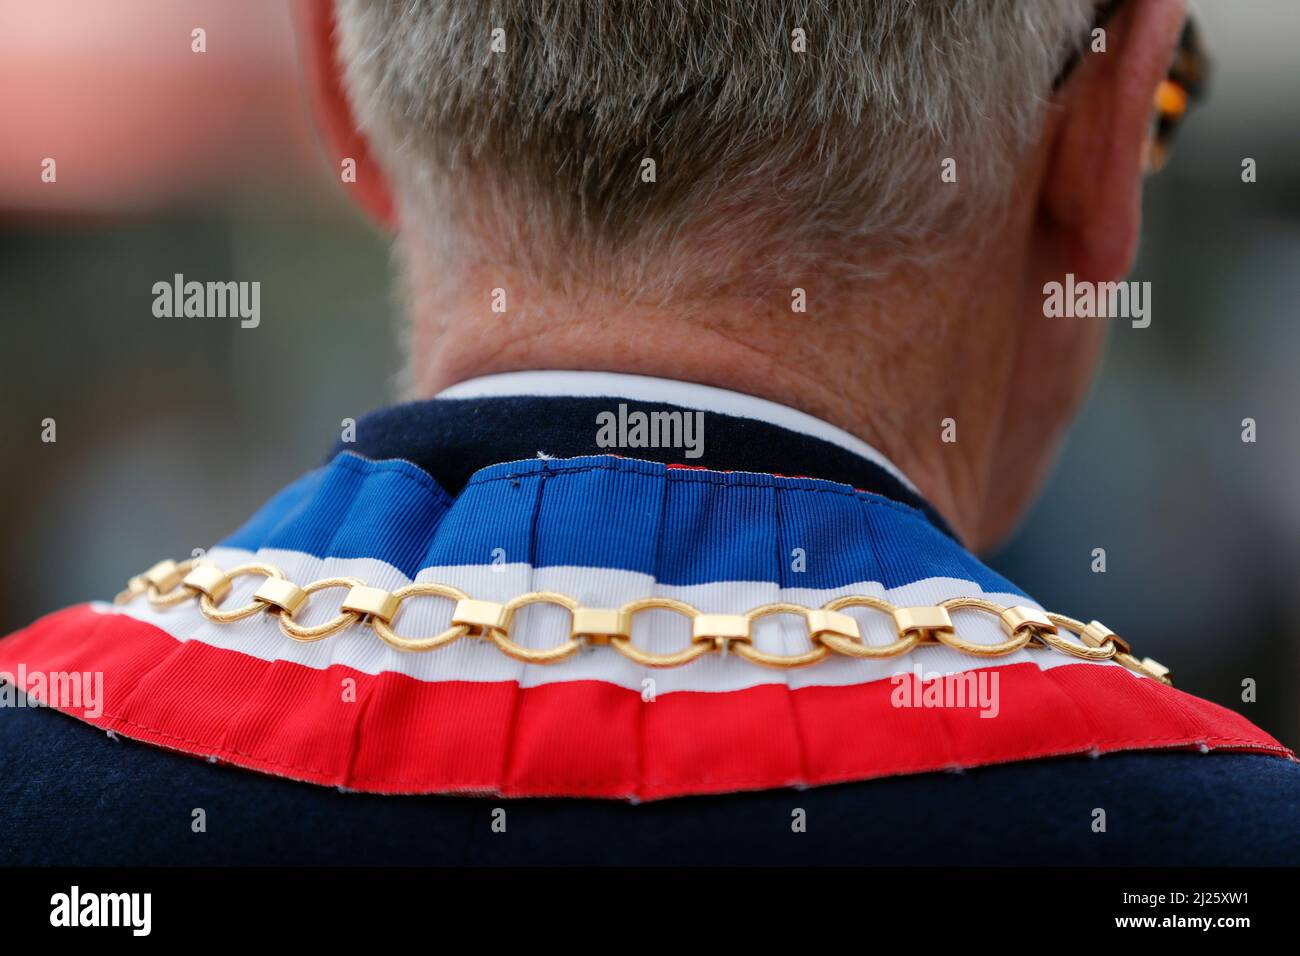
{"x": 763, "y": 152}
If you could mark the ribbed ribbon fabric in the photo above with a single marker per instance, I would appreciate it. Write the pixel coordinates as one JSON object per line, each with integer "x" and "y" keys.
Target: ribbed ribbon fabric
{"x": 351, "y": 712}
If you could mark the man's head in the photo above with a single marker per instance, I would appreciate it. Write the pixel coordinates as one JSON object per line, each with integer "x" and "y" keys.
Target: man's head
{"x": 780, "y": 130}
{"x": 655, "y": 186}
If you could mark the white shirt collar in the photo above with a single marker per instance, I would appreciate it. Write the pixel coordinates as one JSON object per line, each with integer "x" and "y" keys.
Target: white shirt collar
{"x": 644, "y": 388}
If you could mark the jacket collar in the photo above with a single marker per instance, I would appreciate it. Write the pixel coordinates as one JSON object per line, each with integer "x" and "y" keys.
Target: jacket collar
{"x": 565, "y": 414}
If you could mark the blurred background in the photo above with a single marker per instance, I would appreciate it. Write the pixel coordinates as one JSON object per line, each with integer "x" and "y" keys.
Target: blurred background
{"x": 169, "y": 433}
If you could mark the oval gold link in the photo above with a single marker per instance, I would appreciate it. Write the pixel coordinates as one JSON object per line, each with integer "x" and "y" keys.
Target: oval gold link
{"x": 781, "y": 661}
{"x": 1065, "y": 646}
{"x": 633, "y": 653}
{"x": 418, "y": 645}
{"x": 1147, "y": 667}
{"x": 140, "y": 583}
{"x": 1065, "y": 623}
{"x": 972, "y": 603}
{"x": 550, "y": 655}
{"x": 541, "y": 597}
{"x": 161, "y": 600}
{"x": 688, "y": 611}
{"x": 305, "y": 634}
{"x": 134, "y": 588}
{"x": 1002, "y": 648}
{"x": 776, "y": 607}
{"x": 752, "y": 654}
{"x": 851, "y": 648}
{"x": 213, "y": 613}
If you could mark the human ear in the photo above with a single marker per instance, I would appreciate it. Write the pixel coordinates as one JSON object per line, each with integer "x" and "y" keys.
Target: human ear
{"x": 343, "y": 139}
{"x": 1092, "y": 191}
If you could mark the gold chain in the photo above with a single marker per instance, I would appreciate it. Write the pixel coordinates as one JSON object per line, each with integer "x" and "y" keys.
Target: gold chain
{"x": 830, "y": 630}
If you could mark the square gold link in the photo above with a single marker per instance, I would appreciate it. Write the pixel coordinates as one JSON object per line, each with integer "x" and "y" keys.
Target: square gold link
{"x": 832, "y": 622}
{"x": 282, "y": 594}
{"x": 925, "y": 620}
{"x": 480, "y": 614}
{"x": 163, "y": 576}
{"x": 1095, "y": 634}
{"x": 1155, "y": 668}
{"x": 208, "y": 579}
{"x": 1015, "y": 618}
{"x": 711, "y": 627}
{"x": 599, "y": 624}
{"x": 375, "y": 602}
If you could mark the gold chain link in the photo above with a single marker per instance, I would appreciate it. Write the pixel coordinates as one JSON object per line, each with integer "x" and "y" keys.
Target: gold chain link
{"x": 830, "y": 630}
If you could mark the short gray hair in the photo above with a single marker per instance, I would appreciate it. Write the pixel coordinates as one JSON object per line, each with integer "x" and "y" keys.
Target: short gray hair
{"x": 762, "y": 151}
